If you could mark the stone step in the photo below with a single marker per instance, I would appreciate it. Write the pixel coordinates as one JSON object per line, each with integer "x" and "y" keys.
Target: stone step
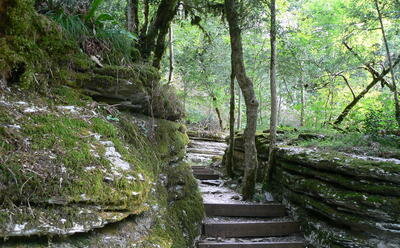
{"x": 205, "y": 151}
{"x": 207, "y": 176}
{"x": 203, "y": 171}
{"x": 200, "y": 167}
{"x": 245, "y": 210}
{"x": 213, "y": 244}
{"x": 214, "y": 140}
{"x": 250, "y": 229}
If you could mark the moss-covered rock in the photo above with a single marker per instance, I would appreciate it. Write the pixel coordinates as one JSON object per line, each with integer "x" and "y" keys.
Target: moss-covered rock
{"x": 341, "y": 199}
{"x": 344, "y": 164}
{"x": 68, "y": 166}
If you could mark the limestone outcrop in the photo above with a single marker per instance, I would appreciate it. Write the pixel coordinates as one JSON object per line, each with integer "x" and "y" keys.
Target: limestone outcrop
{"x": 70, "y": 166}
{"x": 341, "y": 199}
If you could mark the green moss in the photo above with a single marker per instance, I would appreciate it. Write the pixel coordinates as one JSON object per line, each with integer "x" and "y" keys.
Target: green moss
{"x": 188, "y": 209}
{"x": 69, "y": 96}
{"x": 138, "y": 73}
{"x": 362, "y": 203}
{"x": 343, "y": 164}
{"x": 67, "y": 138}
{"x": 181, "y": 220}
{"x": 171, "y": 139}
{"x": 345, "y": 182}
{"x": 19, "y": 17}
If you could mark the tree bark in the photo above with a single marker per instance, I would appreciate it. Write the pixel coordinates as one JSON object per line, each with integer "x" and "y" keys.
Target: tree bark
{"x": 231, "y": 148}
{"x": 246, "y": 85}
{"x": 146, "y": 10}
{"x": 389, "y": 58}
{"x": 239, "y": 119}
{"x": 4, "y": 4}
{"x": 171, "y": 55}
{"x": 279, "y": 109}
{"x": 153, "y": 41}
{"x": 302, "y": 105}
{"x": 132, "y": 16}
{"x": 274, "y": 105}
{"x": 218, "y": 112}
{"x": 260, "y": 114}
{"x": 347, "y": 109}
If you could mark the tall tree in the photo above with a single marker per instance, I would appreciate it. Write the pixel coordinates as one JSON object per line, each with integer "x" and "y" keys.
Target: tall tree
{"x": 171, "y": 54}
{"x": 229, "y": 160}
{"x": 274, "y": 103}
{"x": 152, "y": 41}
{"x": 239, "y": 112}
{"x": 132, "y": 16}
{"x": 389, "y": 58}
{"x": 246, "y": 85}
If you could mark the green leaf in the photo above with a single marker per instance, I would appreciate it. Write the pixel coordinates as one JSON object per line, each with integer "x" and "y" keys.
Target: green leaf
{"x": 93, "y": 8}
{"x": 104, "y": 17}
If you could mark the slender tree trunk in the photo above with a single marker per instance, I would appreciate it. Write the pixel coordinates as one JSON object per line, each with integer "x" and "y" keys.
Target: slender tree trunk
{"x": 218, "y": 112}
{"x": 239, "y": 118}
{"x": 274, "y": 105}
{"x": 185, "y": 93}
{"x": 171, "y": 55}
{"x": 229, "y": 158}
{"x": 246, "y": 85}
{"x": 302, "y": 104}
{"x": 353, "y": 103}
{"x": 260, "y": 115}
{"x": 132, "y": 15}
{"x": 395, "y": 94}
{"x": 279, "y": 110}
{"x": 146, "y": 11}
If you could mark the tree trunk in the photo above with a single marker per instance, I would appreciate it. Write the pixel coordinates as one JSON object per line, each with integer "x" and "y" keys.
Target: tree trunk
{"x": 153, "y": 41}
{"x": 274, "y": 105}
{"x": 218, "y": 112}
{"x": 246, "y": 85}
{"x": 3, "y": 15}
{"x": 395, "y": 94}
{"x": 279, "y": 109}
{"x": 239, "y": 119}
{"x": 302, "y": 104}
{"x": 260, "y": 114}
{"x": 171, "y": 55}
{"x": 132, "y": 16}
{"x": 229, "y": 158}
{"x": 146, "y": 11}
{"x": 347, "y": 109}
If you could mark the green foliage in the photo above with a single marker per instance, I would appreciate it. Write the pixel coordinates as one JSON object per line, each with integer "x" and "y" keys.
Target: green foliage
{"x": 94, "y": 7}
{"x": 378, "y": 121}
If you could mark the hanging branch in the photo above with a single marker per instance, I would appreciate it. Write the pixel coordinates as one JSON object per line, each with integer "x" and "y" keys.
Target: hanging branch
{"x": 347, "y": 109}
{"x": 348, "y": 84}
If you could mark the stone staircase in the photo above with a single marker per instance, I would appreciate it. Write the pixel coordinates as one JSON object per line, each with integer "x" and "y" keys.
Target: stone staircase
{"x": 233, "y": 223}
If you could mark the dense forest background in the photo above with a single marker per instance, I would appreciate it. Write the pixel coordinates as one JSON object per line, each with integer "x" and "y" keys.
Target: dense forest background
{"x": 331, "y": 55}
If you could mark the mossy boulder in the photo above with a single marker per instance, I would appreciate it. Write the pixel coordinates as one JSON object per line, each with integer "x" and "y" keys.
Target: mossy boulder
{"x": 135, "y": 88}
{"x": 57, "y": 159}
{"x": 171, "y": 139}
